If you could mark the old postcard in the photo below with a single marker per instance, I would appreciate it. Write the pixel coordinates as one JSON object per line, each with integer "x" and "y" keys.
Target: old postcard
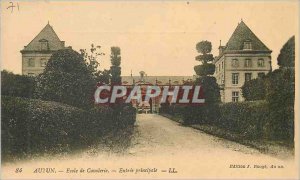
{"x": 149, "y": 89}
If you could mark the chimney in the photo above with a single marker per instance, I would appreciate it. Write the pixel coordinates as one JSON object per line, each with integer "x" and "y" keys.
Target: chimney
{"x": 221, "y": 48}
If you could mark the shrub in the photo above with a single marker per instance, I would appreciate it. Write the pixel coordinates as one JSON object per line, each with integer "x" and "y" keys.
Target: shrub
{"x": 193, "y": 114}
{"x": 249, "y": 119}
{"x": 67, "y": 79}
{"x": 211, "y": 89}
{"x": 164, "y": 107}
{"x": 127, "y": 115}
{"x": 30, "y": 126}
{"x": 280, "y": 97}
{"x": 254, "y": 89}
{"x": 17, "y": 85}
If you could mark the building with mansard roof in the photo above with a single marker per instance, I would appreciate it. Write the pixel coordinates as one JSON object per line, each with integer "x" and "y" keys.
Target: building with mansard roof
{"x": 157, "y": 80}
{"x": 243, "y": 58}
{"x": 37, "y": 53}
{"x": 144, "y": 80}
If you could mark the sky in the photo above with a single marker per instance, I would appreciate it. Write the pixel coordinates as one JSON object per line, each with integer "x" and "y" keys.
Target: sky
{"x": 154, "y": 36}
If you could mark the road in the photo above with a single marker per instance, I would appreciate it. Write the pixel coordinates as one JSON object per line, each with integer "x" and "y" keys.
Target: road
{"x": 157, "y": 142}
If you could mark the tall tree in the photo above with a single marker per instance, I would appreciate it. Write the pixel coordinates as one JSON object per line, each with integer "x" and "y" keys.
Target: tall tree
{"x": 205, "y": 71}
{"x": 115, "y": 68}
{"x": 92, "y": 58}
{"x": 206, "y": 68}
{"x": 280, "y": 92}
{"x": 66, "y": 79}
{"x": 286, "y": 58}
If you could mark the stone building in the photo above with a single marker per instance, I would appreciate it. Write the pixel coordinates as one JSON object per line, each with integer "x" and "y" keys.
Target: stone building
{"x": 37, "y": 53}
{"x": 243, "y": 58}
{"x": 144, "y": 80}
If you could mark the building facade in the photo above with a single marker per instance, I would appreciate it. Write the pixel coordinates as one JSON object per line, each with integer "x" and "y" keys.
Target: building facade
{"x": 144, "y": 80}
{"x": 243, "y": 58}
{"x": 37, "y": 53}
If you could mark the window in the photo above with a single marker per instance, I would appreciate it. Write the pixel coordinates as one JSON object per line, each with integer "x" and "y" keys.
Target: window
{"x": 222, "y": 79}
{"x": 248, "y": 76}
{"x": 222, "y": 65}
{"x": 44, "y": 44}
{"x": 248, "y": 63}
{"x": 260, "y": 63}
{"x": 235, "y": 96}
{"x": 247, "y": 45}
{"x": 43, "y": 62}
{"x": 261, "y": 74}
{"x": 31, "y": 62}
{"x": 235, "y": 63}
{"x": 235, "y": 78}
{"x": 219, "y": 67}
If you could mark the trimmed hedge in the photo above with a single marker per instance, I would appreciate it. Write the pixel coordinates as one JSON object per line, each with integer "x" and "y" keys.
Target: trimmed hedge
{"x": 250, "y": 119}
{"x": 36, "y": 126}
{"x": 127, "y": 115}
{"x": 193, "y": 114}
{"x": 17, "y": 85}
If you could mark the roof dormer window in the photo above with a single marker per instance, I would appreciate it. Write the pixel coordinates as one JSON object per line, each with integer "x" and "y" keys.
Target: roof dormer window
{"x": 247, "y": 45}
{"x": 44, "y": 45}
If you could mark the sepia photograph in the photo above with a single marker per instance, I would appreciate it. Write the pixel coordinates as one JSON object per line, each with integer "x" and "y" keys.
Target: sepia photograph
{"x": 149, "y": 89}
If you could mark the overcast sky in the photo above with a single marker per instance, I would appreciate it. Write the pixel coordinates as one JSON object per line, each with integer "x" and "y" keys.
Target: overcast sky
{"x": 156, "y": 37}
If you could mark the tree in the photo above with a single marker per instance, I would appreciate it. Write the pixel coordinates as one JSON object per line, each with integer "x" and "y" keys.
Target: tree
{"x": 104, "y": 77}
{"x": 254, "y": 89}
{"x": 286, "y": 57}
{"x": 280, "y": 93}
{"x": 92, "y": 60}
{"x": 211, "y": 89}
{"x": 205, "y": 70}
{"x": 115, "y": 69}
{"x": 278, "y": 89}
{"x": 67, "y": 79}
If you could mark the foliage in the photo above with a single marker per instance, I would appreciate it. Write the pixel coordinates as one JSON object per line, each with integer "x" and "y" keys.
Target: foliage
{"x": 104, "y": 77}
{"x": 127, "y": 115}
{"x": 249, "y": 119}
{"x": 204, "y": 47}
{"x": 254, "y": 89}
{"x": 192, "y": 114}
{"x": 115, "y": 68}
{"x": 205, "y": 58}
{"x": 31, "y": 126}
{"x": 280, "y": 88}
{"x": 92, "y": 60}
{"x": 17, "y": 85}
{"x": 66, "y": 79}
{"x": 286, "y": 58}
{"x": 204, "y": 71}
{"x": 211, "y": 89}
